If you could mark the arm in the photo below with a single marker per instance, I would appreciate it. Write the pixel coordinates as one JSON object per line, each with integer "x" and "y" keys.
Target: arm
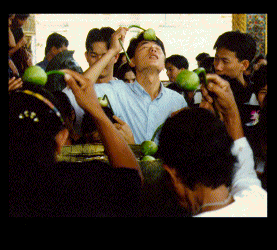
{"x": 96, "y": 69}
{"x": 224, "y": 102}
{"x": 244, "y": 173}
{"x": 118, "y": 151}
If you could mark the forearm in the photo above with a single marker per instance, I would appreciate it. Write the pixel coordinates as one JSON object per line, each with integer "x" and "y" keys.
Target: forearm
{"x": 233, "y": 124}
{"x": 118, "y": 151}
{"x": 94, "y": 71}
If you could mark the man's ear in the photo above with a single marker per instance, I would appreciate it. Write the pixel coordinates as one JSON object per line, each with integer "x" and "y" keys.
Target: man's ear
{"x": 116, "y": 58}
{"x": 86, "y": 55}
{"x": 61, "y": 138}
{"x": 245, "y": 64}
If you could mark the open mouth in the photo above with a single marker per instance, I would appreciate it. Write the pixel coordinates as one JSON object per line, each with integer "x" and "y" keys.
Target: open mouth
{"x": 153, "y": 57}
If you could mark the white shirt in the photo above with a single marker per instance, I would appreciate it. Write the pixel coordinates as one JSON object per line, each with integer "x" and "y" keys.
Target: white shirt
{"x": 132, "y": 104}
{"x": 250, "y": 198}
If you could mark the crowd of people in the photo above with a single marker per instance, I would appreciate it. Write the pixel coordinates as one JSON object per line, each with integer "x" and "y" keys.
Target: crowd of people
{"x": 217, "y": 166}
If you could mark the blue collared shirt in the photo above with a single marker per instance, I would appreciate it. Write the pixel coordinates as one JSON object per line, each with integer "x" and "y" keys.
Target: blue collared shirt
{"x": 132, "y": 104}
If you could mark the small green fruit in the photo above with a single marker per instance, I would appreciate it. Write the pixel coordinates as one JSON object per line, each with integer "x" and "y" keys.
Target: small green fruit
{"x": 103, "y": 101}
{"x": 35, "y": 74}
{"x": 148, "y": 158}
{"x": 188, "y": 80}
{"x": 149, "y": 35}
{"x": 149, "y": 148}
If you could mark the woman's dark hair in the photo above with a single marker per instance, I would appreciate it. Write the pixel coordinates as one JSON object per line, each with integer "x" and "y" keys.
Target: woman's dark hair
{"x": 34, "y": 121}
{"x": 178, "y": 61}
{"x": 196, "y": 144}
{"x": 135, "y": 42}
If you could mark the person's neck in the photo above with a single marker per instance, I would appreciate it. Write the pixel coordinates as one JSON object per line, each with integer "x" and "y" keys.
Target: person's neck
{"x": 242, "y": 80}
{"x": 150, "y": 81}
{"x": 104, "y": 79}
{"x": 208, "y": 195}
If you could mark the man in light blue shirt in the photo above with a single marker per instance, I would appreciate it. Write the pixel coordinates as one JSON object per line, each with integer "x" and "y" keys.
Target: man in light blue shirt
{"x": 144, "y": 104}
{"x": 132, "y": 104}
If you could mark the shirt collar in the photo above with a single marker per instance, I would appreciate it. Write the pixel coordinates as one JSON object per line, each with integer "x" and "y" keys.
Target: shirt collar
{"x": 137, "y": 88}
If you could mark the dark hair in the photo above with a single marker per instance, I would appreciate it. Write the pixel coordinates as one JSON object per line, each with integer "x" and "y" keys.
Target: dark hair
{"x": 242, "y": 44}
{"x": 259, "y": 79}
{"x": 56, "y": 40}
{"x": 178, "y": 61}
{"x": 202, "y": 56}
{"x": 196, "y": 144}
{"x": 34, "y": 121}
{"x": 135, "y": 42}
{"x": 99, "y": 35}
{"x": 21, "y": 16}
{"x": 122, "y": 70}
{"x": 208, "y": 64}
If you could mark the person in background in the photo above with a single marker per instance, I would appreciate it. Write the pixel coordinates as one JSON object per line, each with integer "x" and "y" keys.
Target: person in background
{"x": 200, "y": 57}
{"x": 210, "y": 162}
{"x": 208, "y": 64}
{"x": 260, "y": 143}
{"x": 126, "y": 73}
{"x": 174, "y": 65}
{"x": 97, "y": 45}
{"x": 41, "y": 187}
{"x": 235, "y": 51}
{"x": 145, "y": 104}
{"x": 19, "y": 54}
{"x": 121, "y": 60}
{"x": 55, "y": 44}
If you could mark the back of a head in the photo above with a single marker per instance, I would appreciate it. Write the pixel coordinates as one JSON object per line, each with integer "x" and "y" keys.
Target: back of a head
{"x": 34, "y": 121}
{"x": 242, "y": 44}
{"x": 178, "y": 61}
{"x": 196, "y": 144}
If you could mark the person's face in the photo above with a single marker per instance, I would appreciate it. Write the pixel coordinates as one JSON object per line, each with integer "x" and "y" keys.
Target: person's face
{"x": 226, "y": 63}
{"x": 172, "y": 71}
{"x": 149, "y": 55}
{"x": 261, "y": 95}
{"x": 95, "y": 54}
{"x": 129, "y": 77}
{"x": 20, "y": 22}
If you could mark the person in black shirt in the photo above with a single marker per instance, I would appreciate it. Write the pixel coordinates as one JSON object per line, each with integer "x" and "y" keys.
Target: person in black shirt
{"x": 41, "y": 187}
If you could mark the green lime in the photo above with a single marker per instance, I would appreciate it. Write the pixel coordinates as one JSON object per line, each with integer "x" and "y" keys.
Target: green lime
{"x": 149, "y": 35}
{"x": 149, "y": 148}
{"x": 188, "y": 80}
{"x": 148, "y": 158}
{"x": 35, "y": 74}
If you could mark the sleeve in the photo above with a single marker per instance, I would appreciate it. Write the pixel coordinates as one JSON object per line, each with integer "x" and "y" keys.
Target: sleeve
{"x": 244, "y": 173}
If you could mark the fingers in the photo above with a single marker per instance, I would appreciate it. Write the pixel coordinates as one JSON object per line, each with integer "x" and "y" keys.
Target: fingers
{"x": 83, "y": 81}
{"x": 15, "y": 83}
{"x": 71, "y": 83}
{"x": 119, "y": 120}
